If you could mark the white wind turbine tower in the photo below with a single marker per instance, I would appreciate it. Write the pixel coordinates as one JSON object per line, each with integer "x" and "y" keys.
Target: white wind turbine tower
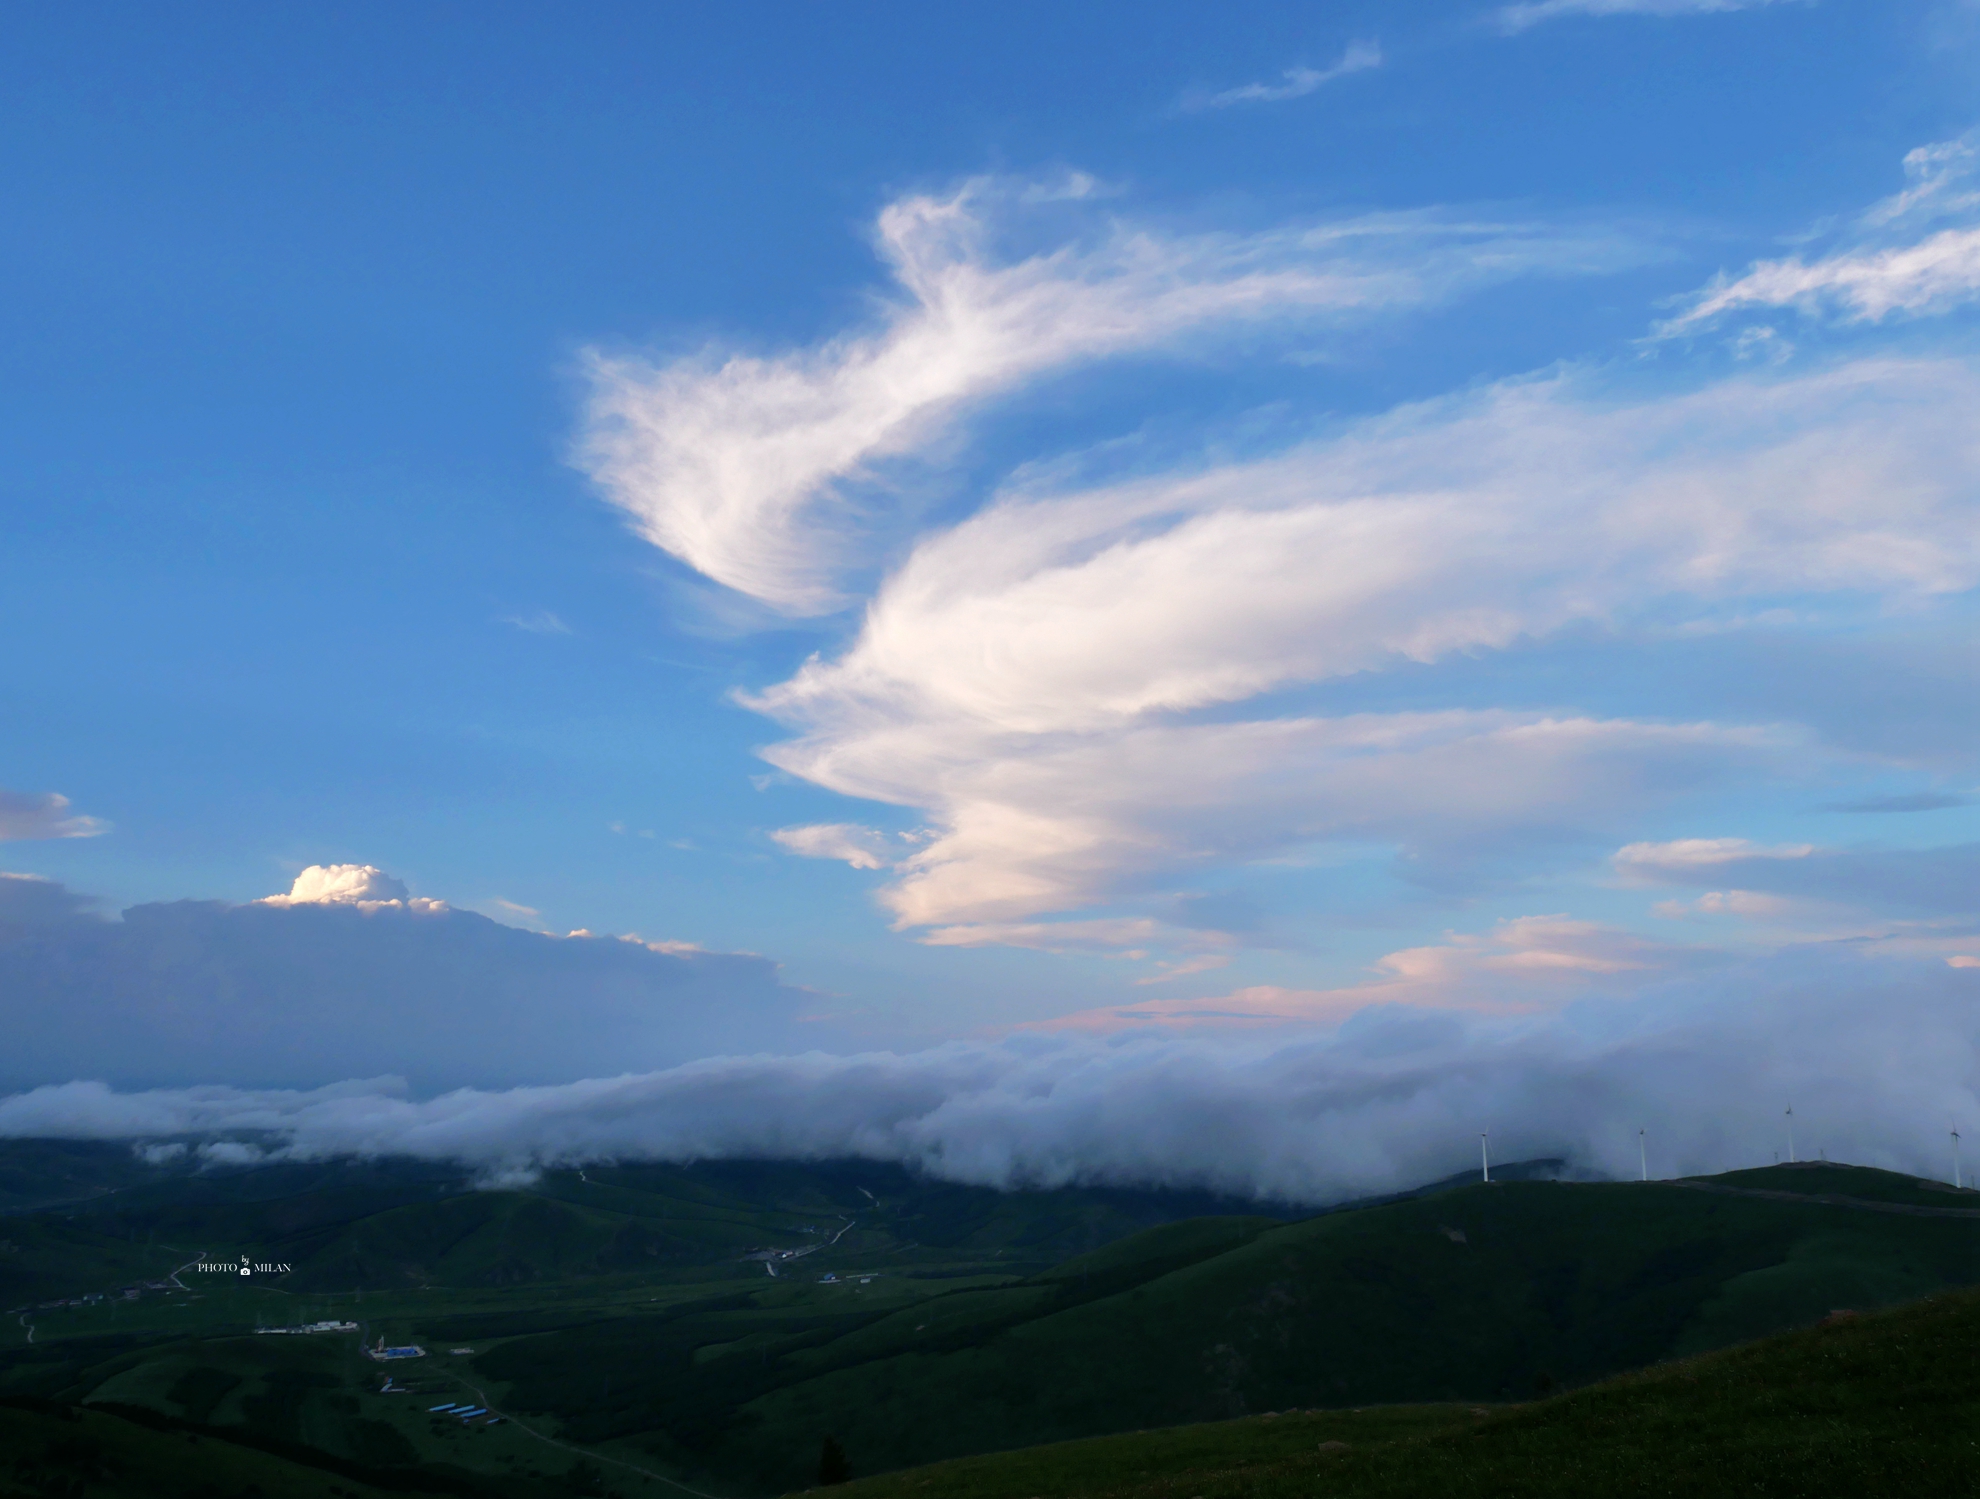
{"x": 1484, "y": 1156}
{"x": 1790, "y": 1120}
{"x": 1643, "y": 1154}
{"x": 1955, "y": 1140}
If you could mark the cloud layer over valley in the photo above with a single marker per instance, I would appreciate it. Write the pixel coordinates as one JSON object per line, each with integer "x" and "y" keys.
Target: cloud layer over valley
{"x": 1874, "y": 1056}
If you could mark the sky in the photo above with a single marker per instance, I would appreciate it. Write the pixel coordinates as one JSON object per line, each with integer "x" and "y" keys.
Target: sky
{"x": 1132, "y": 554}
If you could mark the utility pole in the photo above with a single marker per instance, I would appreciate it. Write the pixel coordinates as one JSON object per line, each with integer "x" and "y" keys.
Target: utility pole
{"x": 1484, "y": 1157}
{"x": 1790, "y": 1120}
{"x": 1643, "y": 1154}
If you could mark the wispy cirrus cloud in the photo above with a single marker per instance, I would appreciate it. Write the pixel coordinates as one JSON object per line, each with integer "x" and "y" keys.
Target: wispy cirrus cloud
{"x": 861, "y": 847}
{"x": 1526, "y": 965}
{"x": 1091, "y": 692}
{"x": 1027, "y": 678}
{"x": 1890, "y": 262}
{"x": 739, "y": 464}
{"x": 1684, "y": 856}
{"x": 27, "y": 816}
{"x": 538, "y": 622}
{"x": 1295, "y": 82}
{"x": 1517, "y": 18}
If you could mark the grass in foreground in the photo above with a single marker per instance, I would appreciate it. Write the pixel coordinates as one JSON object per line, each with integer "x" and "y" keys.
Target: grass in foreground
{"x": 1885, "y": 1404}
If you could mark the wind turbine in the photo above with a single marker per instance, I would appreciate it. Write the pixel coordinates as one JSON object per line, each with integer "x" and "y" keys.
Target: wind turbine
{"x": 1955, "y": 1140}
{"x": 1643, "y": 1154}
{"x": 1790, "y": 1120}
{"x": 1484, "y": 1156}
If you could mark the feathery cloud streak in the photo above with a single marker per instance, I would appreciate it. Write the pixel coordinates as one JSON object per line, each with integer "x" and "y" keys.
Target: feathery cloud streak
{"x": 1299, "y": 82}
{"x": 1025, "y": 677}
{"x": 1517, "y": 18}
{"x": 1388, "y": 1101}
{"x": 1883, "y": 268}
{"x": 735, "y": 463}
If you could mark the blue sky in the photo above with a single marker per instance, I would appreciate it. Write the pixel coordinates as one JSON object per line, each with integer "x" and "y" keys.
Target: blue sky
{"x": 1436, "y": 504}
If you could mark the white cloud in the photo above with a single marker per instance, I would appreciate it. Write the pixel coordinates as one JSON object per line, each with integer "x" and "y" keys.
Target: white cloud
{"x": 26, "y": 816}
{"x": 538, "y": 622}
{"x": 1685, "y": 856}
{"x": 1516, "y": 18}
{"x": 365, "y": 886}
{"x": 1026, "y": 678}
{"x": 1106, "y": 934}
{"x": 736, "y": 463}
{"x": 1298, "y": 82}
{"x": 1887, "y": 265}
{"x": 863, "y": 848}
{"x": 1747, "y": 903}
{"x": 1395, "y": 1097}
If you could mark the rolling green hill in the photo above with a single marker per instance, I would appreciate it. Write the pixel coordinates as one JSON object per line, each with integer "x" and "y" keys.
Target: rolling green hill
{"x": 1886, "y": 1404}
{"x": 712, "y": 1324}
{"x": 1480, "y": 1293}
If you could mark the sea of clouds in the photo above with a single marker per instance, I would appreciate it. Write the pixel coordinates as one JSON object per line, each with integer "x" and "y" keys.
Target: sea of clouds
{"x": 1877, "y": 1058}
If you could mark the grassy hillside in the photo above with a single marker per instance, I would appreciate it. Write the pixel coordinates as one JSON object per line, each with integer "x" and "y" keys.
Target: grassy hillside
{"x": 1480, "y": 1294}
{"x": 63, "y": 1451}
{"x": 714, "y": 1324}
{"x": 1886, "y": 1404}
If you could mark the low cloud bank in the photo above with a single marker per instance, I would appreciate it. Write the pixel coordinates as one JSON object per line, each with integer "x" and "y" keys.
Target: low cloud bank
{"x": 351, "y": 975}
{"x": 1877, "y": 1058}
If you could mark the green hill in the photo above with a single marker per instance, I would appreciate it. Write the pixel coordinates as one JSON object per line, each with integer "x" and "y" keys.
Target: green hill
{"x": 713, "y": 1324}
{"x": 1478, "y": 1294}
{"x": 1886, "y": 1404}
{"x": 61, "y": 1452}
{"x": 347, "y": 1225}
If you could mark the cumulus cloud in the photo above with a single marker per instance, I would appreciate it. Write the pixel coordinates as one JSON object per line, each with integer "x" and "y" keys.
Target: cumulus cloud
{"x": 1296, "y": 83}
{"x": 331, "y": 981}
{"x": 25, "y": 816}
{"x": 738, "y": 463}
{"x": 365, "y": 886}
{"x": 1051, "y": 681}
{"x": 1886, "y": 266}
{"x": 1392, "y": 1098}
{"x": 1517, "y": 18}
{"x": 863, "y": 848}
